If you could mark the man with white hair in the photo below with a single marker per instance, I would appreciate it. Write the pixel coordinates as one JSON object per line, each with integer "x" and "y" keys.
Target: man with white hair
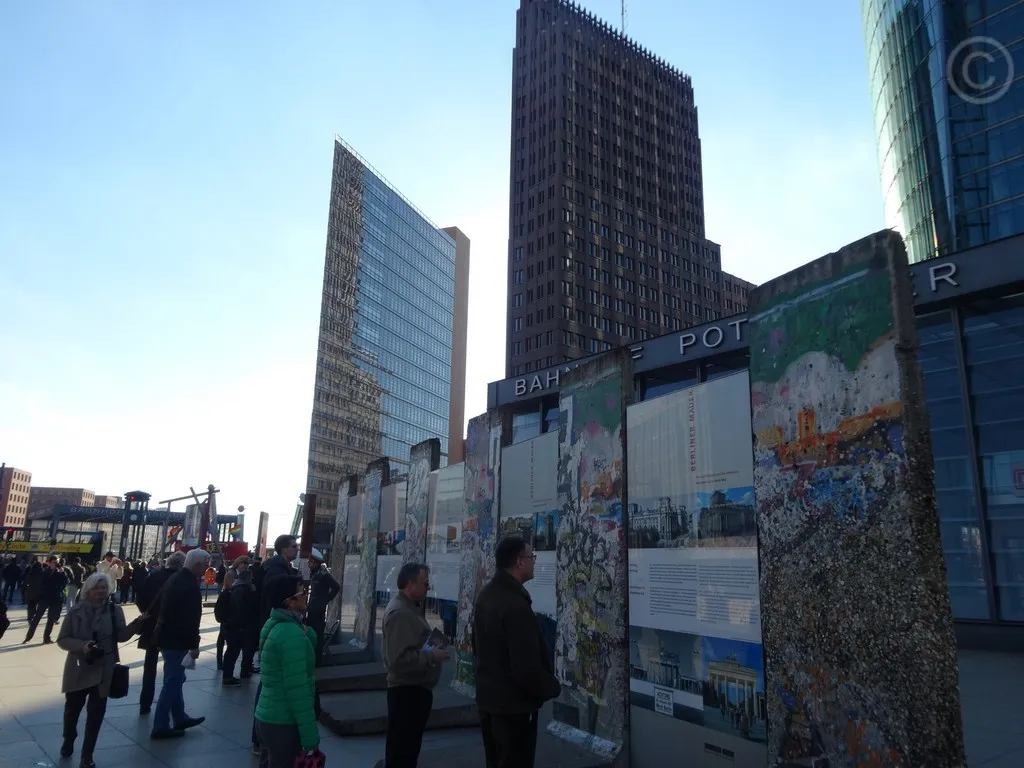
{"x": 149, "y": 600}
{"x": 111, "y": 568}
{"x": 177, "y": 636}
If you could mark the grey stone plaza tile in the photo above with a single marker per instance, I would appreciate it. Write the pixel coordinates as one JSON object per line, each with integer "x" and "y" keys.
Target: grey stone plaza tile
{"x": 31, "y": 711}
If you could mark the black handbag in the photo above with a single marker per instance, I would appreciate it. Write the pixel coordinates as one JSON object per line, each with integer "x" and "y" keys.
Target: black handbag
{"x": 119, "y": 680}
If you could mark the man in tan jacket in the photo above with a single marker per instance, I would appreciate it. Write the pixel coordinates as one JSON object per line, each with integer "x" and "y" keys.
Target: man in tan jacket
{"x": 413, "y": 666}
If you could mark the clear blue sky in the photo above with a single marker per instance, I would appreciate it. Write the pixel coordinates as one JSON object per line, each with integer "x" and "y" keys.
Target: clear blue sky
{"x": 164, "y": 179}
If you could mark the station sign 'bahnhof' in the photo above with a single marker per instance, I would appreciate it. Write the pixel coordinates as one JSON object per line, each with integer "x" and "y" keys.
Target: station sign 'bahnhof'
{"x": 937, "y": 282}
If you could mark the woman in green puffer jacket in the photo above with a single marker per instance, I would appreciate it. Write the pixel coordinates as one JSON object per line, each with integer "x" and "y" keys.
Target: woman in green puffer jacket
{"x": 285, "y": 716}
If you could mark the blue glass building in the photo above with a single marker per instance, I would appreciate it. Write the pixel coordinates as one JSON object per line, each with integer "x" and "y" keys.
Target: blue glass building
{"x": 392, "y": 313}
{"x": 947, "y": 90}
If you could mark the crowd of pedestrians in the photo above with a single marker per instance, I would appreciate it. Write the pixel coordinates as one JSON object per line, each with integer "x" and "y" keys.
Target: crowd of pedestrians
{"x": 266, "y": 609}
{"x": 262, "y": 610}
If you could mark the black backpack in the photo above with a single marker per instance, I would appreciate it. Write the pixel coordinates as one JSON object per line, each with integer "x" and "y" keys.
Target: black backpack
{"x": 222, "y": 608}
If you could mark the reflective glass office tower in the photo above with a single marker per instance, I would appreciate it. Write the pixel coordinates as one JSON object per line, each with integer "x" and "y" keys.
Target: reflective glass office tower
{"x": 390, "y": 369}
{"x": 947, "y": 89}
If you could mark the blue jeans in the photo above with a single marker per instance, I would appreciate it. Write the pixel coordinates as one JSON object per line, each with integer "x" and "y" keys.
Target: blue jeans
{"x": 170, "y": 707}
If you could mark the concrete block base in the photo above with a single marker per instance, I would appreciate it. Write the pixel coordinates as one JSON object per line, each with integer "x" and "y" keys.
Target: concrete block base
{"x": 365, "y": 713}
{"x": 342, "y": 678}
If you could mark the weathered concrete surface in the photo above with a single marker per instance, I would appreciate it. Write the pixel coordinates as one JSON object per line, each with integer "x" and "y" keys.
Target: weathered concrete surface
{"x": 860, "y": 657}
{"x": 366, "y": 712}
{"x": 479, "y": 535}
{"x": 351, "y": 677}
{"x": 374, "y": 480}
{"x": 343, "y": 652}
{"x": 592, "y": 633}
{"x": 424, "y": 458}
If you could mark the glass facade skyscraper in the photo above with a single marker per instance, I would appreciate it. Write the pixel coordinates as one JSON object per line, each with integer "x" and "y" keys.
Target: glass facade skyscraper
{"x": 947, "y": 90}
{"x": 384, "y": 368}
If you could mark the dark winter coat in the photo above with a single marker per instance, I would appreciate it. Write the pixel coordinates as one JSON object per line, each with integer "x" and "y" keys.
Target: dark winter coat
{"x": 513, "y": 671}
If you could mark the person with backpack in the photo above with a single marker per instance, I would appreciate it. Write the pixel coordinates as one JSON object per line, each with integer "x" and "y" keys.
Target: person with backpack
{"x": 225, "y": 580}
{"x": 240, "y": 615}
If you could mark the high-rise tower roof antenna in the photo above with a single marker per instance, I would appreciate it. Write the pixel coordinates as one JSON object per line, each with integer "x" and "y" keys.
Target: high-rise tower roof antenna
{"x": 623, "y": 16}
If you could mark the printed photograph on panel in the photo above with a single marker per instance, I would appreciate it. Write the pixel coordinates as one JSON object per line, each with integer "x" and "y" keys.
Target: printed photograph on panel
{"x": 521, "y": 526}
{"x": 389, "y": 543}
{"x": 708, "y": 681}
{"x": 726, "y": 518}
{"x": 545, "y": 524}
{"x": 663, "y": 522}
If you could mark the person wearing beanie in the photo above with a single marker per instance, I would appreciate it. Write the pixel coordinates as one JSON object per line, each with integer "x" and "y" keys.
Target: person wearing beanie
{"x": 285, "y": 712}
{"x": 322, "y": 589}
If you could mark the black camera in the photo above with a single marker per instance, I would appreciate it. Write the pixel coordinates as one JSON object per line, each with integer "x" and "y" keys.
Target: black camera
{"x": 93, "y": 652}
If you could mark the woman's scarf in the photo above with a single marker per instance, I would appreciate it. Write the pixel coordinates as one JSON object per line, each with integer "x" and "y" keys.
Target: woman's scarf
{"x": 91, "y": 613}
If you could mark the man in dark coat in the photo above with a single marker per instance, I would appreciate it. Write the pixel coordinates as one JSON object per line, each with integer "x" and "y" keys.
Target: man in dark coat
{"x": 286, "y": 549}
{"x": 12, "y": 577}
{"x": 149, "y": 599}
{"x": 139, "y": 576}
{"x": 77, "y": 579}
{"x": 513, "y": 670}
{"x": 32, "y": 586}
{"x": 177, "y": 636}
{"x": 240, "y": 627}
{"x": 323, "y": 588}
{"x": 53, "y": 582}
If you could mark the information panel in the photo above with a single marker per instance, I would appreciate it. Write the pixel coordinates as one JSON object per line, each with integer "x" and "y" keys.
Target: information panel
{"x": 695, "y": 634}
{"x": 390, "y": 541}
{"x": 529, "y": 508}
{"x": 446, "y": 499}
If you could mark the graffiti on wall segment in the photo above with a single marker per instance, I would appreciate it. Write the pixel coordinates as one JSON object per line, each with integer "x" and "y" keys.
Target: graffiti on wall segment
{"x": 424, "y": 458}
{"x": 860, "y": 661}
{"x": 479, "y": 533}
{"x": 592, "y": 634}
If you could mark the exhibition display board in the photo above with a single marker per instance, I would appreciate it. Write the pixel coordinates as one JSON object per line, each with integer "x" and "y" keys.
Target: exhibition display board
{"x": 374, "y": 481}
{"x": 445, "y": 498}
{"x": 529, "y": 504}
{"x": 339, "y": 545}
{"x": 695, "y": 624}
{"x": 390, "y": 540}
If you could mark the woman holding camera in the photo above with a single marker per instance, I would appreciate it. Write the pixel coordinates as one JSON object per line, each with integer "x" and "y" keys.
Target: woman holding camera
{"x": 89, "y": 634}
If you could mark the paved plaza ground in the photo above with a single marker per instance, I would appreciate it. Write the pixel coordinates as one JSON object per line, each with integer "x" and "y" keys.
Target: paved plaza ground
{"x": 31, "y": 708}
{"x": 31, "y": 713}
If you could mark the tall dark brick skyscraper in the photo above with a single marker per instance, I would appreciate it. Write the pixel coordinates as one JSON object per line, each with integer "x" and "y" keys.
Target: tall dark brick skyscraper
{"x": 606, "y": 211}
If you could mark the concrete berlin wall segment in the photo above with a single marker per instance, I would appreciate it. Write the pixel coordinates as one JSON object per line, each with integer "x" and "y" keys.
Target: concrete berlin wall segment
{"x": 860, "y": 656}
